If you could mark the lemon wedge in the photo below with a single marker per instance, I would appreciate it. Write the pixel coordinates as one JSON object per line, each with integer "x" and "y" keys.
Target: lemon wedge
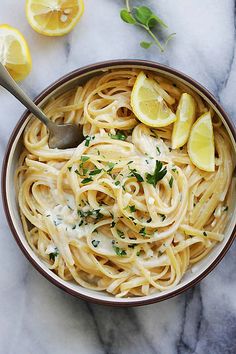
{"x": 201, "y": 148}
{"x": 148, "y": 103}
{"x": 185, "y": 116}
{"x": 14, "y": 52}
{"x": 54, "y": 17}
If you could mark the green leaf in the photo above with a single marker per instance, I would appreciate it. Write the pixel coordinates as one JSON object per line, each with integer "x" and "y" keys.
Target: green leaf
{"x": 95, "y": 172}
{"x": 154, "y": 20}
{"x": 54, "y": 254}
{"x": 84, "y": 158}
{"x": 171, "y": 181}
{"x": 93, "y": 212}
{"x": 119, "y": 251}
{"x": 111, "y": 166}
{"x": 132, "y": 208}
{"x": 95, "y": 243}
{"x": 120, "y": 233}
{"x": 117, "y": 183}
{"x": 142, "y": 14}
{"x": 159, "y": 173}
{"x": 86, "y": 180}
{"x": 118, "y": 136}
{"x": 87, "y": 140}
{"x": 146, "y": 45}
{"x": 127, "y": 17}
{"x": 133, "y": 173}
{"x": 143, "y": 232}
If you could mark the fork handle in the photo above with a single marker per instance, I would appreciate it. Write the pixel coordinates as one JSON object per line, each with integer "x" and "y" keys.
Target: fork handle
{"x": 11, "y": 86}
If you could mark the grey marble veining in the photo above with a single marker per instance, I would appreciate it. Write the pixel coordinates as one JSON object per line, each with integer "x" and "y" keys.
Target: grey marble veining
{"x": 35, "y": 316}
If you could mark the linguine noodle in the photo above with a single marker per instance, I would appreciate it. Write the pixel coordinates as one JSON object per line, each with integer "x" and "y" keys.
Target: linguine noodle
{"x": 91, "y": 215}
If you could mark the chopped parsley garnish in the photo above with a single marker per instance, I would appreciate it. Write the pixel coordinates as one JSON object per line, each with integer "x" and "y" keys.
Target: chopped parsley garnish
{"x": 138, "y": 253}
{"x": 111, "y": 166}
{"x": 94, "y": 212}
{"x": 158, "y": 150}
{"x": 171, "y": 181}
{"x": 162, "y": 217}
{"x": 174, "y": 169}
{"x": 143, "y": 232}
{"x": 95, "y": 243}
{"x": 117, "y": 183}
{"x": 132, "y": 208}
{"x": 170, "y": 149}
{"x": 159, "y": 173}
{"x": 149, "y": 220}
{"x": 88, "y": 139}
{"x": 69, "y": 168}
{"x": 81, "y": 223}
{"x": 95, "y": 172}
{"x": 120, "y": 233}
{"x": 132, "y": 245}
{"x": 159, "y": 253}
{"x": 225, "y": 208}
{"x": 77, "y": 172}
{"x": 117, "y": 136}
{"x": 204, "y": 233}
{"x": 133, "y": 173}
{"x": 113, "y": 224}
{"x": 119, "y": 251}
{"x": 84, "y": 158}
{"x": 74, "y": 227}
{"x": 130, "y": 162}
{"x": 54, "y": 254}
{"x": 86, "y": 180}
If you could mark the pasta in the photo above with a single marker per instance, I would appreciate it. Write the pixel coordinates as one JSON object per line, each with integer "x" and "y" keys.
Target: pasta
{"x": 93, "y": 214}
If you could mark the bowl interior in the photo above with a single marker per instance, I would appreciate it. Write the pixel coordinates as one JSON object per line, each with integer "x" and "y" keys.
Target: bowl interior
{"x": 191, "y": 276}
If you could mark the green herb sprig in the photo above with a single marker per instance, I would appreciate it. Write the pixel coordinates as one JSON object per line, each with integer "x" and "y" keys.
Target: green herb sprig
{"x": 54, "y": 254}
{"x": 158, "y": 174}
{"x": 145, "y": 18}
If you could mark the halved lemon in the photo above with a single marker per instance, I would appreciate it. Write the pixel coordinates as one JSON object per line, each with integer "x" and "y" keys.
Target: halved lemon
{"x": 185, "y": 117}
{"x": 201, "y": 148}
{"x": 14, "y": 52}
{"x": 148, "y": 103}
{"x": 54, "y": 17}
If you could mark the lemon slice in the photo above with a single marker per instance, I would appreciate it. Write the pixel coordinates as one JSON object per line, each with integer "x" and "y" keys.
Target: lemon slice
{"x": 54, "y": 17}
{"x": 148, "y": 103}
{"x": 201, "y": 147}
{"x": 185, "y": 117}
{"x": 14, "y": 52}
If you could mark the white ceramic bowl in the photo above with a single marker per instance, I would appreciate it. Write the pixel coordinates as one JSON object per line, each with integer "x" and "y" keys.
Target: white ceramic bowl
{"x": 14, "y": 148}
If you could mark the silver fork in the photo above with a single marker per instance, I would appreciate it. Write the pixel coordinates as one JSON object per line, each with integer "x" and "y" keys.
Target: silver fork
{"x": 61, "y": 136}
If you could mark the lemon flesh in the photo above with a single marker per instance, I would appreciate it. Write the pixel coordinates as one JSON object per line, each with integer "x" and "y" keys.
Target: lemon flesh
{"x": 54, "y": 17}
{"x": 201, "y": 148}
{"x": 185, "y": 116}
{"x": 14, "y": 52}
{"x": 148, "y": 103}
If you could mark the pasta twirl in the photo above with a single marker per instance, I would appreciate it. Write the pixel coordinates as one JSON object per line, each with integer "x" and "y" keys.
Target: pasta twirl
{"x": 94, "y": 216}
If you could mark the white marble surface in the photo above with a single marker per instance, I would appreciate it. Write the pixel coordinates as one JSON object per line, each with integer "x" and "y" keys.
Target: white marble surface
{"x": 35, "y": 316}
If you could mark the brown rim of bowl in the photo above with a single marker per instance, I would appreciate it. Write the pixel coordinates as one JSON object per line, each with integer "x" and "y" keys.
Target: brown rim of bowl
{"x": 39, "y": 98}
